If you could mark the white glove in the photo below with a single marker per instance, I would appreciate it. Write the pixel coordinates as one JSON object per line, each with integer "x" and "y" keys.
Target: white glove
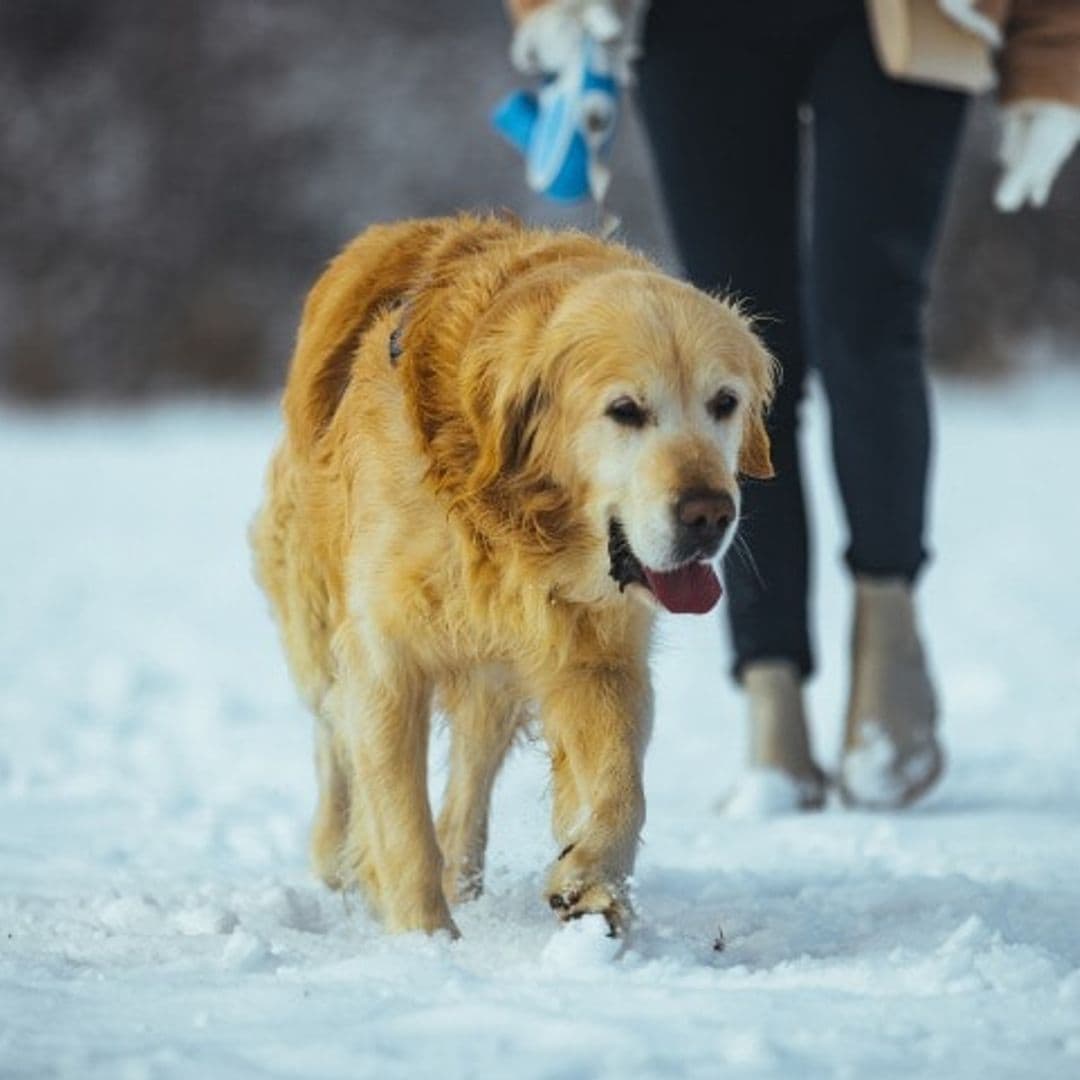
{"x": 550, "y": 39}
{"x": 1036, "y": 139}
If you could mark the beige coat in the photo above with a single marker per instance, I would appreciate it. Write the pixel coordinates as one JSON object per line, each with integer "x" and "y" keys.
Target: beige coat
{"x": 1040, "y": 56}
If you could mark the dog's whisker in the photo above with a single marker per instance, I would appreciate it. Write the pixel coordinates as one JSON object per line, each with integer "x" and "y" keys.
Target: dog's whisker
{"x": 742, "y": 548}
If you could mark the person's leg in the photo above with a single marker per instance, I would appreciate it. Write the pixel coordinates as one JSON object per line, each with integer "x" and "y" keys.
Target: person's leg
{"x": 719, "y": 95}
{"x": 719, "y": 102}
{"x": 884, "y": 151}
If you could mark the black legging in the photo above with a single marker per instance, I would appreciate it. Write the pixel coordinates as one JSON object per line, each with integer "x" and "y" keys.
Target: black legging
{"x": 721, "y": 84}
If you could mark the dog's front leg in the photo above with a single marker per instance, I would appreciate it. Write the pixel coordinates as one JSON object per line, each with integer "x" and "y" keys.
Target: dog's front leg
{"x": 391, "y": 832}
{"x": 597, "y": 723}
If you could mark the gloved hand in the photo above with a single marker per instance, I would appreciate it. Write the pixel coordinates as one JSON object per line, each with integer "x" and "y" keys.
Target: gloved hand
{"x": 1037, "y": 138}
{"x": 549, "y": 36}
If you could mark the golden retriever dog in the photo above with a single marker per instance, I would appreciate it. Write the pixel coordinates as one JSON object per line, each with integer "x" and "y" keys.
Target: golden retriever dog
{"x": 505, "y": 448}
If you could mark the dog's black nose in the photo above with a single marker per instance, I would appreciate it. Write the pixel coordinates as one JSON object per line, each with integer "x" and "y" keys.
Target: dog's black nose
{"x": 703, "y": 517}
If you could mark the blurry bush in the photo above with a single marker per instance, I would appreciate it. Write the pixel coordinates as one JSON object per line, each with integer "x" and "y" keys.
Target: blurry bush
{"x": 174, "y": 175}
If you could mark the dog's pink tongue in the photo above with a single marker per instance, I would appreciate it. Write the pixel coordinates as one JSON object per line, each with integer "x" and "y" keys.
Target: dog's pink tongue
{"x": 692, "y": 589}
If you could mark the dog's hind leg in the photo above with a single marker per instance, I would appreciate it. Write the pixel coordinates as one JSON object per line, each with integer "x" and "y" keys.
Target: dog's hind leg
{"x": 393, "y": 852}
{"x": 340, "y": 849}
{"x": 329, "y": 828}
{"x": 484, "y": 714}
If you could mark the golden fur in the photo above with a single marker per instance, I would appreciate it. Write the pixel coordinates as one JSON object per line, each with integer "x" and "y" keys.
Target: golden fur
{"x": 435, "y": 534}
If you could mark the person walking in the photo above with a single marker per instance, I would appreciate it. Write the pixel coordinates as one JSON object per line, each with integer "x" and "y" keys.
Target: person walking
{"x": 828, "y": 231}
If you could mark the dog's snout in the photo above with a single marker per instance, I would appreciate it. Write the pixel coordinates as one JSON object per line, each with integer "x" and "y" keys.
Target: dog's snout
{"x": 705, "y": 510}
{"x": 703, "y": 516}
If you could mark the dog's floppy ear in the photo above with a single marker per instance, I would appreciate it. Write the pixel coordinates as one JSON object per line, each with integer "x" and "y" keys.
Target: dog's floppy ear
{"x": 754, "y": 458}
{"x": 523, "y": 414}
{"x": 512, "y": 486}
{"x": 507, "y": 423}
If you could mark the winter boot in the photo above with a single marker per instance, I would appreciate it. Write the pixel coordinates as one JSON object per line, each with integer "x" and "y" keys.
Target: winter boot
{"x": 782, "y": 775}
{"x": 891, "y": 752}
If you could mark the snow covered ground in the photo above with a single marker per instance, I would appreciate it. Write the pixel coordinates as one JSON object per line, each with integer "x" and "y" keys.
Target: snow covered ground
{"x": 157, "y": 918}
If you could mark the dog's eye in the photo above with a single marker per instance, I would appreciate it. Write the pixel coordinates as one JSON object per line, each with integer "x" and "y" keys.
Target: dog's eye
{"x": 722, "y": 405}
{"x": 628, "y": 412}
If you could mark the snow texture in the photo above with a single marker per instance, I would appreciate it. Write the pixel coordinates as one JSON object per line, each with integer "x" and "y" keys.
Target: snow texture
{"x": 157, "y": 918}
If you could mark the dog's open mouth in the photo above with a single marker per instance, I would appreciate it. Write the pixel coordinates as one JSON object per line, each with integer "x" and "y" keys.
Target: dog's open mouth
{"x": 692, "y": 588}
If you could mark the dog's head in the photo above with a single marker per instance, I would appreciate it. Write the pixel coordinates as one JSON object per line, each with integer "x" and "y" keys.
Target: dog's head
{"x": 667, "y": 398}
{"x": 614, "y": 427}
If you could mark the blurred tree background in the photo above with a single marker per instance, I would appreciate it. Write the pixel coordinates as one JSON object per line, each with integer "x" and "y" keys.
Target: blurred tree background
{"x": 174, "y": 175}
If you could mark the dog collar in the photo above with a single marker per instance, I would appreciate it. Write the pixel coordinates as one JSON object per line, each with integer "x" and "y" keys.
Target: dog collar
{"x": 396, "y": 346}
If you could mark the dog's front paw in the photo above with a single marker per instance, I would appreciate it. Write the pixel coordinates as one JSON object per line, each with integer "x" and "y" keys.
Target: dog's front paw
{"x": 573, "y": 891}
{"x": 594, "y": 899}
